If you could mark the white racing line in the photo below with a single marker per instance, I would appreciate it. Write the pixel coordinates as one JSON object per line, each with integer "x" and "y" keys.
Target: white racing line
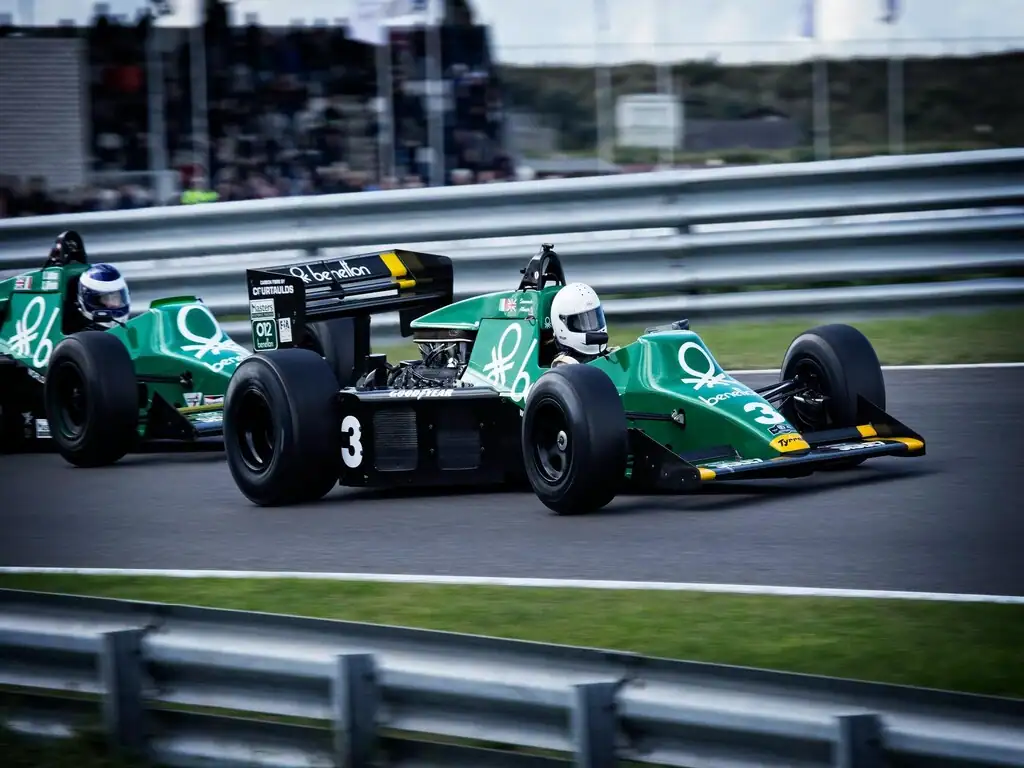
{"x": 497, "y": 581}
{"x": 935, "y": 367}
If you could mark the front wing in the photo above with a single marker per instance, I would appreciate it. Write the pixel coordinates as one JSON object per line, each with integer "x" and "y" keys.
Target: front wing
{"x": 878, "y": 434}
{"x": 164, "y": 422}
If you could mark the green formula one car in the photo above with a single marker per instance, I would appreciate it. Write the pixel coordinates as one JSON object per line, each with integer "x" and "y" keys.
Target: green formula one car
{"x": 97, "y": 393}
{"x": 483, "y": 404}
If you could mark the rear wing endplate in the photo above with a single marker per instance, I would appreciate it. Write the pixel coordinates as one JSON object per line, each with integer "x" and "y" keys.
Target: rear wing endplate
{"x": 283, "y": 299}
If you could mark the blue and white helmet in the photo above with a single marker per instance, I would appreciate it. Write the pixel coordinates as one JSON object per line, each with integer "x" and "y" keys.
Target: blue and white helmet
{"x": 101, "y": 288}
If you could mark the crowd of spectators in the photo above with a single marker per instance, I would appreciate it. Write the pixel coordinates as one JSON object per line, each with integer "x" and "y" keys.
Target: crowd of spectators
{"x": 290, "y": 111}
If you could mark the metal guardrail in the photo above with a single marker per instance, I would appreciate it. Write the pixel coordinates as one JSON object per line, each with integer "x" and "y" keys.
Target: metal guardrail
{"x": 378, "y": 695}
{"x": 661, "y": 270}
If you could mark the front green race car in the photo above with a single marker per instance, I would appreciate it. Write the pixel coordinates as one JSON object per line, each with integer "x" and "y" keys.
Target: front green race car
{"x": 484, "y": 404}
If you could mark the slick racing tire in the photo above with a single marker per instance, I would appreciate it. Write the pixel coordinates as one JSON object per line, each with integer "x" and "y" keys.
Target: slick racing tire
{"x": 574, "y": 439}
{"x": 281, "y": 433}
{"x": 92, "y": 399}
{"x": 838, "y": 362}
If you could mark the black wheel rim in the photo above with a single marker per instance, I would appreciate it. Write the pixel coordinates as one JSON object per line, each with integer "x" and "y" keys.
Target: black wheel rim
{"x": 550, "y": 438}
{"x": 810, "y": 409}
{"x": 254, "y": 431}
{"x": 72, "y": 403}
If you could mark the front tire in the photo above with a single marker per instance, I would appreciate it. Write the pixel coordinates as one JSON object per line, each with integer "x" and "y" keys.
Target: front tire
{"x": 575, "y": 440}
{"x": 281, "y": 433}
{"x": 836, "y": 361}
{"x": 91, "y": 399}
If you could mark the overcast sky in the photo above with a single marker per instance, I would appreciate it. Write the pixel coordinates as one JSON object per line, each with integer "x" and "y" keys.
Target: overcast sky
{"x": 535, "y": 31}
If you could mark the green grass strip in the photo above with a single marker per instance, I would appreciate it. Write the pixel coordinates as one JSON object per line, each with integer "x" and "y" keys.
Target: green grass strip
{"x": 968, "y": 647}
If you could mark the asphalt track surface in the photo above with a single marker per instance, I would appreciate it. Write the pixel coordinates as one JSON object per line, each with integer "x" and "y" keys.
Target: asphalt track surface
{"x": 952, "y": 521}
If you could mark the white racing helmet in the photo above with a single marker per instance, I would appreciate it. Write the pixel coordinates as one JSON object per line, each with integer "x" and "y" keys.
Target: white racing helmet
{"x": 575, "y": 312}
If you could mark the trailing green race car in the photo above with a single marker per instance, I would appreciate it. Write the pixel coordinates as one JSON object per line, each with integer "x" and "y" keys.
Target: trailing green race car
{"x": 101, "y": 386}
{"x": 483, "y": 404}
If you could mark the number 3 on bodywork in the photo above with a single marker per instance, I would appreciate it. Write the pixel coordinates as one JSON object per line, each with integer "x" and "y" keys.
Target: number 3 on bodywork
{"x": 768, "y": 415}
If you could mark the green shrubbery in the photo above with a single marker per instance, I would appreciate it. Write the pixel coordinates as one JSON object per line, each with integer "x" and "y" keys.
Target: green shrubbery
{"x": 950, "y": 102}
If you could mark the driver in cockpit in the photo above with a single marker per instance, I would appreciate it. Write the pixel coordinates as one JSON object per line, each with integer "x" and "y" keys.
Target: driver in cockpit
{"x": 576, "y": 311}
{"x": 101, "y": 287}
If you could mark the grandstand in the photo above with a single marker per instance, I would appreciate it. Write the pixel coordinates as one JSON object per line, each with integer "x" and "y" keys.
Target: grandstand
{"x": 287, "y": 111}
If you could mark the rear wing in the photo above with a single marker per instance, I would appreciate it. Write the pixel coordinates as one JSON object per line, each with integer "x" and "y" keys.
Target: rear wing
{"x": 283, "y": 299}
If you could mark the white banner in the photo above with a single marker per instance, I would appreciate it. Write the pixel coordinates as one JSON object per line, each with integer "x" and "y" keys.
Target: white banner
{"x": 367, "y": 21}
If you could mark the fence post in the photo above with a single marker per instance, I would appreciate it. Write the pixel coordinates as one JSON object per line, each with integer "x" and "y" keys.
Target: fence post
{"x": 355, "y": 699}
{"x": 859, "y": 742}
{"x": 594, "y": 725}
{"x": 121, "y": 672}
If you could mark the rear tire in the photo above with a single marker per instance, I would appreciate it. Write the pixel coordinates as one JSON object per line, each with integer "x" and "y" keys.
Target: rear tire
{"x": 344, "y": 343}
{"x": 575, "y": 440}
{"x": 91, "y": 399}
{"x": 839, "y": 362}
{"x": 281, "y": 432}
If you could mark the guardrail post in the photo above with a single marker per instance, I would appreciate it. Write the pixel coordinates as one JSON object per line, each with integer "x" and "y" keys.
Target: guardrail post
{"x": 121, "y": 671}
{"x": 355, "y": 699}
{"x": 859, "y": 742}
{"x": 594, "y": 725}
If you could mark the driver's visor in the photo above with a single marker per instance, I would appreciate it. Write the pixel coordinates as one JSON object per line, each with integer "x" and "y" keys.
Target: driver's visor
{"x": 114, "y": 299}
{"x": 585, "y": 322}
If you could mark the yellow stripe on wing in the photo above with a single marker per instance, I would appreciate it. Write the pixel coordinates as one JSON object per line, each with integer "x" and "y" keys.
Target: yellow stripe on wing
{"x": 398, "y": 270}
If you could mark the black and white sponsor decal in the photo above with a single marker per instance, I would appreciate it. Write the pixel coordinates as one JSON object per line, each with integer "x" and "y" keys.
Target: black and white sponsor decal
{"x": 284, "y": 330}
{"x": 780, "y": 429}
{"x": 271, "y": 287}
{"x": 262, "y": 309}
{"x": 731, "y": 464}
{"x": 309, "y": 273}
{"x": 418, "y": 394}
{"x": 41, "y": 427}
{"x": 36, "y": 375}
{"x": 855, "y": 446}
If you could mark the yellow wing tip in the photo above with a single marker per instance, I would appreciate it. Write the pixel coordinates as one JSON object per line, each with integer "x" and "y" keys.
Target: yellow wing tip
{"x": 790, "y": 442}
{"x": 912, "y": 443}
{"x": 707, "y": 474}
